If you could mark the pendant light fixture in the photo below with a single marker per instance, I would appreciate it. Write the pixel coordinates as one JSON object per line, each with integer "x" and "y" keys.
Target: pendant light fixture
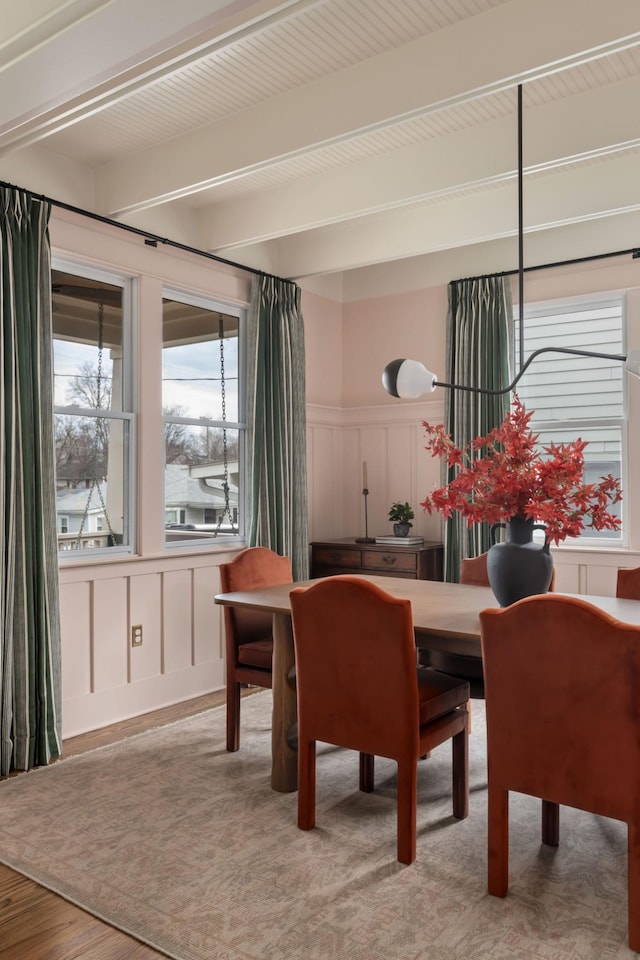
{"x": 410, "y": 379}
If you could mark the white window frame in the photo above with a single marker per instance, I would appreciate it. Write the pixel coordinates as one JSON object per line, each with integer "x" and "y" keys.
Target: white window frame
{"x": 128, "y": 414}
{"x": 216, "y": 306}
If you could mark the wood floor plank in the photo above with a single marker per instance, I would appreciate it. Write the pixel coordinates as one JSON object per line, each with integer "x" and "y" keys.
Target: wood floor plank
{"x": 38, "y": 925}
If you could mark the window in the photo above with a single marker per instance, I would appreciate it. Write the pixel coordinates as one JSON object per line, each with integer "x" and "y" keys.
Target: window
{"x": 93, "y": 418}
{"x": 579, "y": 396}
{"x": 202, "y": 410}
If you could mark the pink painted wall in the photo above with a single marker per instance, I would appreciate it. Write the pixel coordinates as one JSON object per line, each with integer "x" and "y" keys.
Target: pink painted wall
{"x": 323, "y": 348}
{"x": 379, "y": 330}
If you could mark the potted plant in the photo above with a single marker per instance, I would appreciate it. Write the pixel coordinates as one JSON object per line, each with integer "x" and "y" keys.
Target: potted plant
{"x": 505, "y": 479}
{"x": 401, "y": 514}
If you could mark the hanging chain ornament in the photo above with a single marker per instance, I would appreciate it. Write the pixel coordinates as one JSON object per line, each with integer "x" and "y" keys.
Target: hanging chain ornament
{"x": 225, "y": 452}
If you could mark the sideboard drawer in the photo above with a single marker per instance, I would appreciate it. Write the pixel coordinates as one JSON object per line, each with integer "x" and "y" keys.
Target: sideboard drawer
{"x": 351, "y": 555}
{"x": 392, "y": 560}
{"x": 330, "y": 557}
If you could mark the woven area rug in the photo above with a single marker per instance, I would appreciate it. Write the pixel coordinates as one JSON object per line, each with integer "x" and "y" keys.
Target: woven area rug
{"x": 173, "y": 840}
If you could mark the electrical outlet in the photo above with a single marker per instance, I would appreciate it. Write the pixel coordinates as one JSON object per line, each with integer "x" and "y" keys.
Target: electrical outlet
{"x": 136, "y": 635}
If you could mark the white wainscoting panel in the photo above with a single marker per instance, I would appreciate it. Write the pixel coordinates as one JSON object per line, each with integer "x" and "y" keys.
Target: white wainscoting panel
{"x": 104, "y": 678}
{"x": 208, "y": 625}
{"x": 390, "y": 440}
{"x": 325, "y": 468}
{"x": 109, "y": 633}
{"x": 75, "y": 622}
{"x": 591, "y": 571}
{"x": 177, "y": 621}
{"x": 145, "y": 608}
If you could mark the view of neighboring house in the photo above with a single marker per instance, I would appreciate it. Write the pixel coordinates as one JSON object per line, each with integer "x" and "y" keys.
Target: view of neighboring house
{"x": 194, "y": 500}
{"x": 195, "y": 496}
{"x": 82, "y": 513}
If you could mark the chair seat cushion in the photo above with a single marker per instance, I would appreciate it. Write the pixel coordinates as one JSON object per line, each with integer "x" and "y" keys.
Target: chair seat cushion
{"x": 458, "y": 666}
{"x": 257, "y": 653}
{"x": 439, "y": 694}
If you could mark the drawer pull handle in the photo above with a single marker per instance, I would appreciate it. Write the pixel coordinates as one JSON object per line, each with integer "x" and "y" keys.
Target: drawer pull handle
{"x": 389, "y": 559}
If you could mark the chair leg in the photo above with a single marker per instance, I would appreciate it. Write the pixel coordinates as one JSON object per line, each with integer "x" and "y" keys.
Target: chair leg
{"x": 550, "y": 823}
{"x": 233, "y": 716}
{"x": 498, "y": 841}
{"x": 367, "y": 766}
{"x": 633, "y": 885}
{"x": 306, "y": 783}
{"x": 460, "y": 764}
{"x": 407, "y": 810}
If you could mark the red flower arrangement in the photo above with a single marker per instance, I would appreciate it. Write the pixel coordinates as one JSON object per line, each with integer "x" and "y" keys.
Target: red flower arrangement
{"x": 504, "y": 475}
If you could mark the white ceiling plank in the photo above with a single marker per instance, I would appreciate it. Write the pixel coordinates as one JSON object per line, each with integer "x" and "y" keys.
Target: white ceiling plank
{"x": 586, "y": 125}
{"x": 100, "y": 57}
{"x": 488, "y": 52}
{"x": 27, "y": 25}
{"x": 545, "y": 246}
{"x": 317, "y": 138}
{"x": 553, "y": 199}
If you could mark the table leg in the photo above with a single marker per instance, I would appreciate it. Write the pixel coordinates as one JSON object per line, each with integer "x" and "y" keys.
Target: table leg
{"x": 284, "y": 757}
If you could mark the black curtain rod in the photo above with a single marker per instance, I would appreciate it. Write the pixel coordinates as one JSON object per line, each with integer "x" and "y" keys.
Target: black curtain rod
{"x": 634, "y": 251}
{"x": 151, "y": 239}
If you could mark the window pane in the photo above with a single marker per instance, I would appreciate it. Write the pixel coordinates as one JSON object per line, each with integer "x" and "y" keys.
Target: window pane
{"x": 570, "y": 394}
{"x": 91, "y": 473}
{"x": 92, "y": 452}
{"x": 201, "y": 409}
{"x": 563, "y": 387}
{"x": 201, "y": 485}
{"x": 200, "y": 345}
{"x": 87, "y": 331}
{"x": 602, "y": 457}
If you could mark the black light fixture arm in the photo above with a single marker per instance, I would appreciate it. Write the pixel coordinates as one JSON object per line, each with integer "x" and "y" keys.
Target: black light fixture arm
{"x": 536, "y": 353}
{"x": 410, "y": 379}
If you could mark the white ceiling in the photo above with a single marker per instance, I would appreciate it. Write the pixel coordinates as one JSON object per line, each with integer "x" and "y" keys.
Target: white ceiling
{"x": 312, "y": 137}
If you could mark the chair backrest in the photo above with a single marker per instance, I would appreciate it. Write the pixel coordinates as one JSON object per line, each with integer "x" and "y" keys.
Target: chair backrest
{"x": 561, "y": 680}
{"x": 355, "y": 666}
{"x": 473, "y": 570}
{"x": 254, "y": 567}
{"x": 628, "y": 583}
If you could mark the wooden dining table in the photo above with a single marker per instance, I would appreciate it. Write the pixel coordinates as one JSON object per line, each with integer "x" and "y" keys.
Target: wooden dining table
{"x": 446, "y": 617}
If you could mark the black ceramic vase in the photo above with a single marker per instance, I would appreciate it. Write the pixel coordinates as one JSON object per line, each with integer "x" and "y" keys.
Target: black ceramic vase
{"x": 518, "y": 567}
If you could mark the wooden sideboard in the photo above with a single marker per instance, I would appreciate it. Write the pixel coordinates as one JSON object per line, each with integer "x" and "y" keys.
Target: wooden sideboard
{"x": 418, "y": 562}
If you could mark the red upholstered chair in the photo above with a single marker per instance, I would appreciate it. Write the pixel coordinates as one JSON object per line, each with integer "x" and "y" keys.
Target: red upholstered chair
{"x": 628, "y": 584}
{"x": 358, "y": 686}
{"x": 473, "y": 570}
{"x": 562, "y": 681}
{"x": 248, "y": 633}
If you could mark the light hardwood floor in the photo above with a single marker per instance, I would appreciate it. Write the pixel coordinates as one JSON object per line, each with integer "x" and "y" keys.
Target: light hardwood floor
{"x": 38, "y": 925}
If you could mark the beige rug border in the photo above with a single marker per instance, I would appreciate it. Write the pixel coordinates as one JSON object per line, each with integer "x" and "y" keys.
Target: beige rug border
{"x": 616, "y": 947}
{"x": 35, "y": 875}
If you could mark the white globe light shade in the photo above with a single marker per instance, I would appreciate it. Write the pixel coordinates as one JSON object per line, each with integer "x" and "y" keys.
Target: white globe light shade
{"x": 408, "y": 379}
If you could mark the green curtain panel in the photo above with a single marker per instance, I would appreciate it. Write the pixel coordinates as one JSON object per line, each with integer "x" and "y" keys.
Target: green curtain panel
{"x": 276, "y": 422}
{"x": 480, "y": 337}
{"x": 30, "y": 687}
